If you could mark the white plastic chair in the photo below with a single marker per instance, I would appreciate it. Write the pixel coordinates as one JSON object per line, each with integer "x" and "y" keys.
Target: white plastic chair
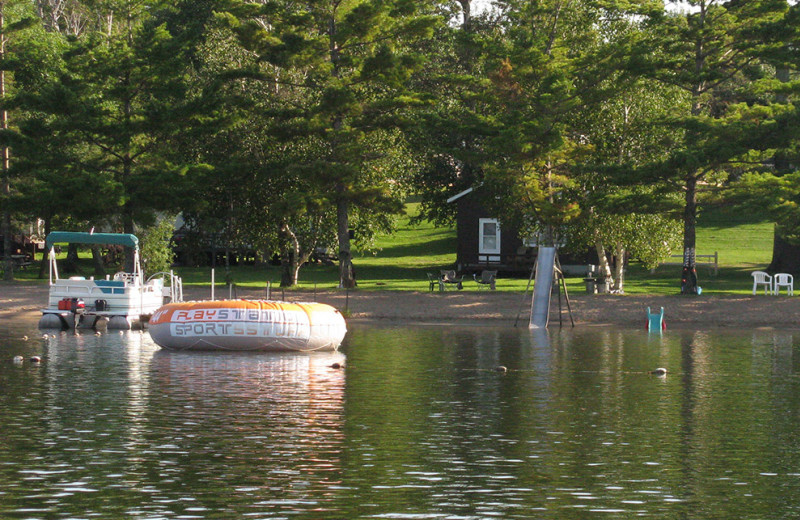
{"x": 762, "y": 278}
{"x": 783, "y": 280}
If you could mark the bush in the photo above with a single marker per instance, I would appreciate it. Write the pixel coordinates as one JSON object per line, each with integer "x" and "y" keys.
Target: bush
{"x": 157, "y": 254}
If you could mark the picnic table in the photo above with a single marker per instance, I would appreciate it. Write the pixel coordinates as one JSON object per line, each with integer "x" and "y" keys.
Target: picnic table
{"x": 21, "y": 261}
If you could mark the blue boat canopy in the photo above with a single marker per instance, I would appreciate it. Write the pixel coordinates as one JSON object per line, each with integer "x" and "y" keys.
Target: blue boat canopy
{"x": 73, "y": 237}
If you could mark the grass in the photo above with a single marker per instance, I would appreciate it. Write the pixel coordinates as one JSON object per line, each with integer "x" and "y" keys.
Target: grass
{"x": 401, "y": 261}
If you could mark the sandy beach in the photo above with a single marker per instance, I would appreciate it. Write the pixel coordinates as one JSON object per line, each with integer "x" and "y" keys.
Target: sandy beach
{"x": 487, "y": 307}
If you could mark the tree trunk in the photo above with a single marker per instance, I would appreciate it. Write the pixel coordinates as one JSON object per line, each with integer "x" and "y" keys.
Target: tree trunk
{"x": 45, "y": 264}
{"x": 290, "y": 271}
{"x": 71, "y": 262}
{"x": 689, "y": 271}
{"x": 97, "y": 259}
{"x": 619, "y": 269}
{"x": 466, "y": 9}
{"x": 347, "y": 275}
{"x": 6, "y": 225}
{"x": 604, "y": 269}
{"x": 689, "y": 274}
{"x": 6, "y": 230}
{"x": 785, "y": 255}
{"x": 290, "y": 259}
{"x": 127, "y": 227}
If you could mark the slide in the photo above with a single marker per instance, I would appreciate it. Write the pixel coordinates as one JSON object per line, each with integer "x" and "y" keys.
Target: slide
{"x": 543, "y": 285}
{"x": 655, "y": 321}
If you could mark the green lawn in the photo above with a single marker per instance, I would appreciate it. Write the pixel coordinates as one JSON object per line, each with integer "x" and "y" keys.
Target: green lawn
{"x": 400, "y": 262}
{"x": 744, "y": 243}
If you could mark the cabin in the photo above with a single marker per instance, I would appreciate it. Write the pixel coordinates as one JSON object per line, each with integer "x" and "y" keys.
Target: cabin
{"x": 482, "y": 244}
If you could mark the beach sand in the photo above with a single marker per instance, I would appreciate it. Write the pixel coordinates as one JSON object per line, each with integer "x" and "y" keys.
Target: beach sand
{"x": 486, "y": 307}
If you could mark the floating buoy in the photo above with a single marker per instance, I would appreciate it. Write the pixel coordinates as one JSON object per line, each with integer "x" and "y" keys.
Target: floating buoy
{"x": 501, "y": 368}
{"x": 18, "y": 359}
{"x": 24, "y": 338}
{"x": 36, "y": 359}
{"x": 659, "y": 372}
{"x": 98, "y": 333}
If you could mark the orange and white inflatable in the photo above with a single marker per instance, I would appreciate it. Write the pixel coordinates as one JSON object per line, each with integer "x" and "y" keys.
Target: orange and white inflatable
{"x": 247, "y": 325}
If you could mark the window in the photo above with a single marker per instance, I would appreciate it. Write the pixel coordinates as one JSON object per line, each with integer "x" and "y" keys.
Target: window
{"x": 488, "y": 237}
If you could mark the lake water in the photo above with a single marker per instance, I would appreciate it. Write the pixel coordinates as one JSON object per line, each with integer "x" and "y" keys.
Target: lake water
{"x": 419, "y": 425}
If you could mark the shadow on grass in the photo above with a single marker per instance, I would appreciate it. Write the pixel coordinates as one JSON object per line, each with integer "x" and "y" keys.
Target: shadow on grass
{"x": 441, "y": 246}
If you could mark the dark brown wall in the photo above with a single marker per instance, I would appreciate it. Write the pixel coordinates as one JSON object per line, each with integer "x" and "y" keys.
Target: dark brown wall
{"x": 468, "y": 213}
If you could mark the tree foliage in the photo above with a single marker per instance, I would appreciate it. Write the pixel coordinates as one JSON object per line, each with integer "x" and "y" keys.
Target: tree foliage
{"x": 157, "y": 253}
{"x": 718, "y": 54}
{"x": 289, "y": 127}
{"x": 346, "y": 66}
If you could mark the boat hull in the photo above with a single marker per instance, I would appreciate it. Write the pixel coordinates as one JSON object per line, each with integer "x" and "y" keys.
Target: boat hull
{"x": 247, "y": 325}
{"x": 65, "y": 320}
{"x": 112, "y": 303}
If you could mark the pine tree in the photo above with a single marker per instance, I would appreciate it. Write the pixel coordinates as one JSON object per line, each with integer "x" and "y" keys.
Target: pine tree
{"x": 714, "y": 53}
{"x": 14, "y": 18}
{"x": 451, "y": 132}
{"x": 352, "y": 60}
{"x": 118, "y": 103}
{"x": 554, "y": 63}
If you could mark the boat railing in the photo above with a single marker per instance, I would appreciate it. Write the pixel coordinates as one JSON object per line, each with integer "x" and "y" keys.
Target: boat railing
{"x": 173, "y": 290}
{"x": 89, "y": 287}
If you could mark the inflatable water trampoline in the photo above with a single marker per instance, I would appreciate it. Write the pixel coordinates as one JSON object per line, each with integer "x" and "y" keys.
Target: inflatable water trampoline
{"x": 247, "y": 325}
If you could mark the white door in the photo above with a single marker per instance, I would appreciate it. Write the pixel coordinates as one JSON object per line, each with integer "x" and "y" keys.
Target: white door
{"x": 488, "y": 240}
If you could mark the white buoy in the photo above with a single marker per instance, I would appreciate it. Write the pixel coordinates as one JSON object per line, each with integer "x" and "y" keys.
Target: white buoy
{"x": 18, "y": 360}
{"x": 659, "y": 372}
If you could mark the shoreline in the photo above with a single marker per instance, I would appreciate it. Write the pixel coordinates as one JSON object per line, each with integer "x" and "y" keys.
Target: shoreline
{"x": 25, "y": 301}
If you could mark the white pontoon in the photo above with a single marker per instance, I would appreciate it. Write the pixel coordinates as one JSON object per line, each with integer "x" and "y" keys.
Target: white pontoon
{"x": 123, "y": 301}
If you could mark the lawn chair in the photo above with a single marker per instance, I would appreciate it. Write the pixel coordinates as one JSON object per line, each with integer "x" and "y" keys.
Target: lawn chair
{"x": 783, "y": 280}
{"x": 487, "y": 279}
{"x": 762, "y": 278}
{"x": 450, "y": 278}
{"x": 433, "y": 281}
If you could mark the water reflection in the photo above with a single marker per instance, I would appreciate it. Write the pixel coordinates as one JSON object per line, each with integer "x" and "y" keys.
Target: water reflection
{"x": 418, "y": 425}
